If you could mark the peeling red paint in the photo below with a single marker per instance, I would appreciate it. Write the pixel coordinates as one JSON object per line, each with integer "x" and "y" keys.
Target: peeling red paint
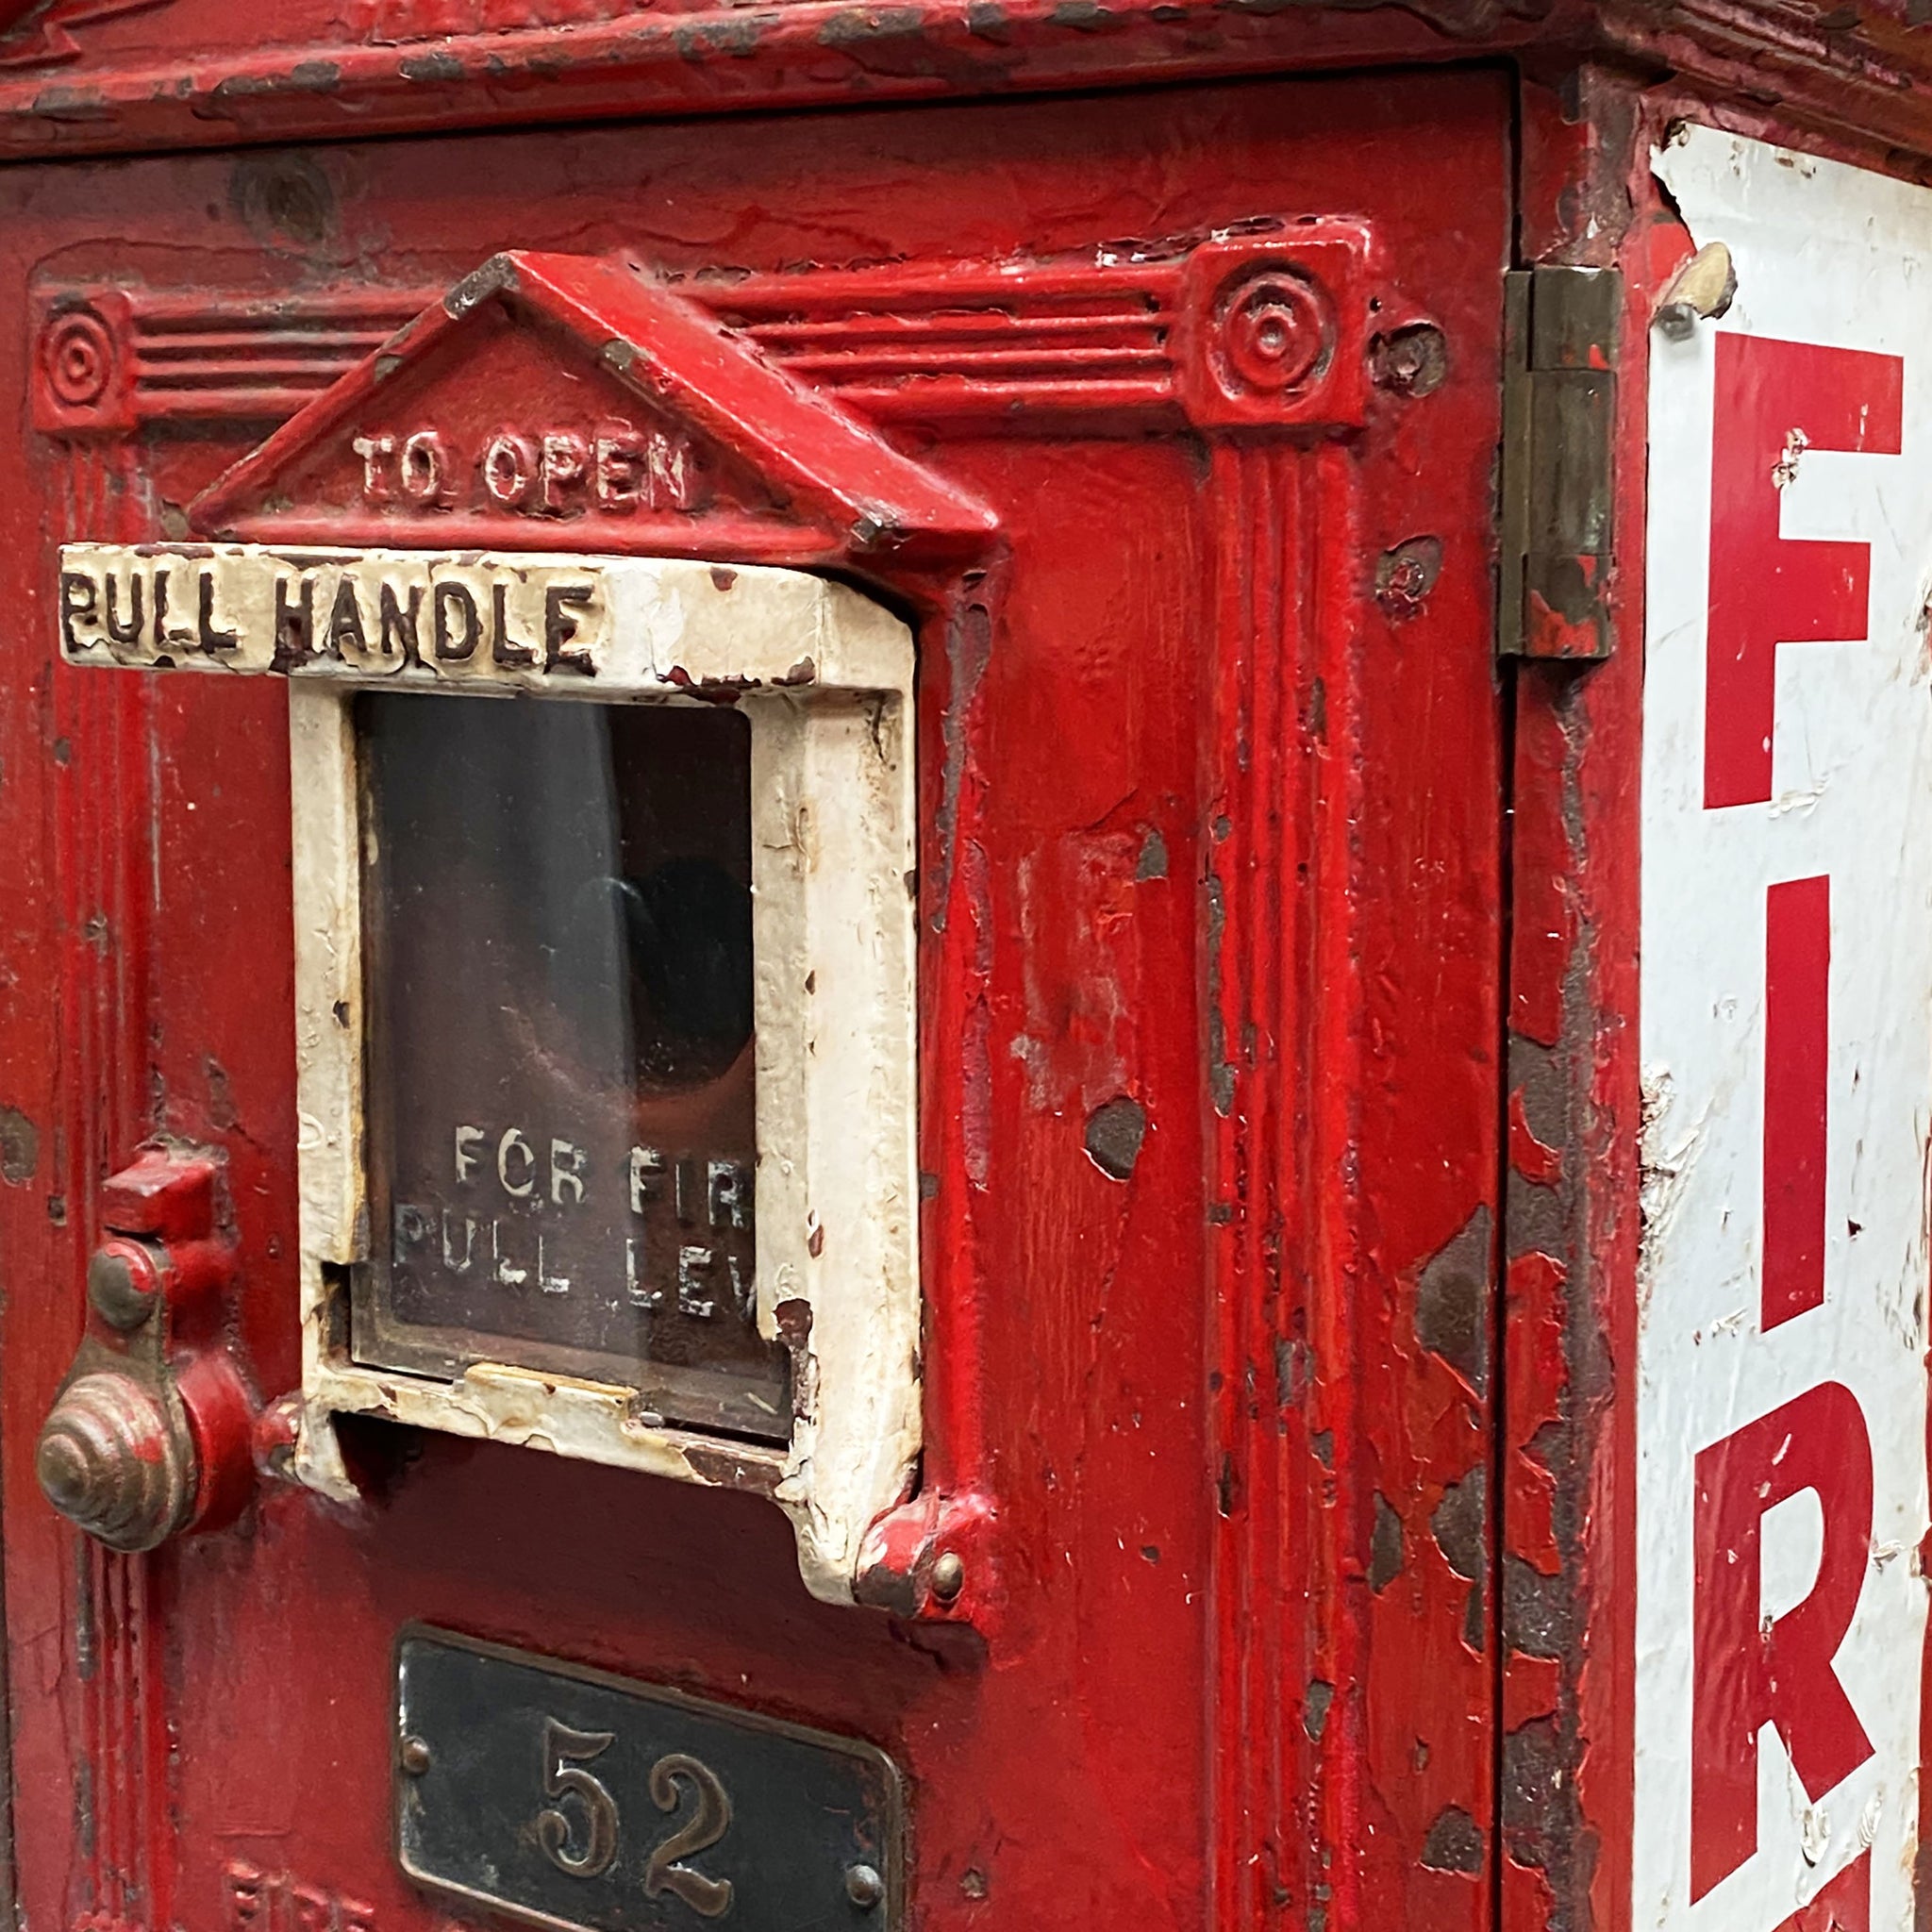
{"x": 1210, "y": 1118}
{"x": 1553, "y": 633}
{"x": 1537, "y": 1161}
{"x": 1537, "y": 1376}
{"x": 185, "y": 74}
{"x": 1279, "y": 1231}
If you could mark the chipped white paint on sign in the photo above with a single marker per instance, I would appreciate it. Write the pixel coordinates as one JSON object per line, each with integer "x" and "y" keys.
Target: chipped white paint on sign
{"x": 569, "y": 627}
{"x": 1787, "y": 1047}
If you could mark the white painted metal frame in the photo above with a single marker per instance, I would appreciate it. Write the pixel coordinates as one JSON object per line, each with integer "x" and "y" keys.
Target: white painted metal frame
{"x": 824, "y": 677}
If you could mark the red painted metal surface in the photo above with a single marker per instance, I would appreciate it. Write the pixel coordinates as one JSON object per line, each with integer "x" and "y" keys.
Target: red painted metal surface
{"x": 1210, "y": 768}
{"x": 1290, "y": 1453}
{"x": 93, "y": 75}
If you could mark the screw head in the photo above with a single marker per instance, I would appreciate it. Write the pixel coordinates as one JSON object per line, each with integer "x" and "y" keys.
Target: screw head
{"x": 1677, "y": 321}
{"x": 415, "y": 1756}
{"x": 1412, "y": 361}
{"x": 864, "y": 1887}
{"x": 948, "y": 1575}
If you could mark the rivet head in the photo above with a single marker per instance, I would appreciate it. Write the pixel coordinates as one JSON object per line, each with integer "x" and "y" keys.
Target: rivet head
{"x": 109, "y": 1461}
{"x": 122, "y": 1287}
{"x": 864, "y": 1887}
{"x": 948, "y": 1575}
{"x": 415, "y": 1756}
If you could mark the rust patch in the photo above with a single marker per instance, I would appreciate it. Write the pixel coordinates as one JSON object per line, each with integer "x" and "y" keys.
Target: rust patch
{"x": 222, "y": 1113}
{"x": 884, "y": 1588}
{"x": 498, "y": 277}
{"x": 20, "y": 1147}
{"x": 861, "y": 26}
{"x": 729, "y": 1470}
{"x": 1538, "y": 1611}
{"x": 1557, "y": 1402}
{"x": 1085, "y": 16}
{"x": 86, "y": 1822}
{"x": 1542, "y": 1822}
{"x": 1221, "y": 1070}
{"x": 71, "y": 104}
{"x": 1114, "y": 1133}
{"x": 1460, "y": 1522}
{"x": 1315, "y": 1709}
{"x": 283, "y": 199}
{"x": 431, "y": 67}
{"x": 1454, "y": 1843}
{"x": 794, "y": 1318}
{"x": 1451, "y": 1302}
{"x": 969, "y": 648}
{"x": 1385, "y": 1546}
{"x": 737, "y": 38}
{"x": 1294, "y": 1369}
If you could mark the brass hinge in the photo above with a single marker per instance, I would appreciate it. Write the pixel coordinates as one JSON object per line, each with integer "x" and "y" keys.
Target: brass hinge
{"x": 1560, "y": 329}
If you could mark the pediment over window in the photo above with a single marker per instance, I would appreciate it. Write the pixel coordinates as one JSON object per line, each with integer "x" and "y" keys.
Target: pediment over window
{"x": 570, "y": 402}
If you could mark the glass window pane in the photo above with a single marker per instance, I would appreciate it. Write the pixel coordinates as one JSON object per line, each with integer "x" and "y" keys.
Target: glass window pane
{"x": 557, "y": 909}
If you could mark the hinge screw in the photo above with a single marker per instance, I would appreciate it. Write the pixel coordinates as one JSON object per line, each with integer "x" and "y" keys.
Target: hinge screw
{"x": 1412, "y": 361}
{"x": 948, "y": 1577}
{"x": 415, "y": 1756}
{"x": 864, "y": 1887}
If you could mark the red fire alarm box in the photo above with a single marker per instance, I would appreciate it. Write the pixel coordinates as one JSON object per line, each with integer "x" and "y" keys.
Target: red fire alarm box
{"x": 963, "y": 967}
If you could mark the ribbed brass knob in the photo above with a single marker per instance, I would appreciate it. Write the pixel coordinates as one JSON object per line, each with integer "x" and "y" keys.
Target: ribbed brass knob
{"x": 109, "y": 1461}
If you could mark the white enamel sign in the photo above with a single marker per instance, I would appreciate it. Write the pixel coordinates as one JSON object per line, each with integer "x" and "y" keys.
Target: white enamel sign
{"x": 1787, "y": 1049}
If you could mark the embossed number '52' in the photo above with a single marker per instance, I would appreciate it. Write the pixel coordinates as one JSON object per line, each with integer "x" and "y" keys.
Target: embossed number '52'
{"x": 566, "y": 1753}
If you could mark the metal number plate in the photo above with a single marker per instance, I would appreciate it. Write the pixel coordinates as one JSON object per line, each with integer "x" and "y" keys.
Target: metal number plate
{"x": 568, "y": 1798}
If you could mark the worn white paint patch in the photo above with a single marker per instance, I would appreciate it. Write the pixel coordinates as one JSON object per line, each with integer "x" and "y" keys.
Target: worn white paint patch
{"x": 327, "y": 885}
{"x": 824, "y": 677}
{"x": 569, "y": 627}
{"x": 1836, "y": 256}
